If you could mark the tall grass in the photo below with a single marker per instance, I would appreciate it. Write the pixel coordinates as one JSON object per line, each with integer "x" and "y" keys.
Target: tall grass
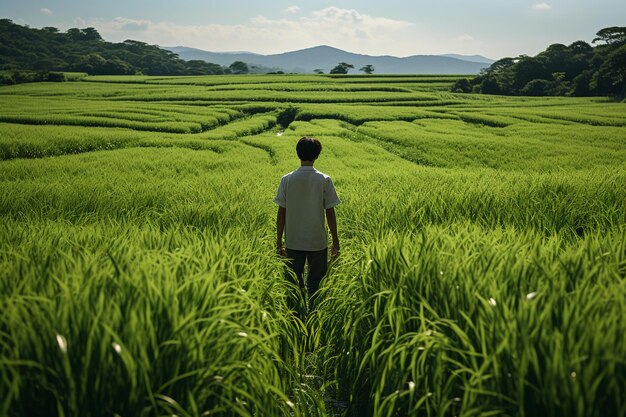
{"x": 464, "y": 321}
{"x": 481, "y": 274}
{"x": 120, "y": 319}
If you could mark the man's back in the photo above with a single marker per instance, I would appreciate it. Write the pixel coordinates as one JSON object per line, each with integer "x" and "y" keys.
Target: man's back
{"x": 305, "y": 193}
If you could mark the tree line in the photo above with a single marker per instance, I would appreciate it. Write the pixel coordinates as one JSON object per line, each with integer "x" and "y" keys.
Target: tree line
{"x": 344, "y": 67}
{"x": 579, "y": 69}
{"x": 43, "y": 51}
{"x": 29, "y": 54}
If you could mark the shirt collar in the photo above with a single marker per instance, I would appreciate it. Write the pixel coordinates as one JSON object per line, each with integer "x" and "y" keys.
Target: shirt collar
{"x": 306, "y": 168}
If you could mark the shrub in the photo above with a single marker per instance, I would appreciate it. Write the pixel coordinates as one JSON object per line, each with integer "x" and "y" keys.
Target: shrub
{"x": 536, "y": 88}
{"x": 55, "y": 77}
{"x": 462, "y": 86}
{"x": 6, "y": 78}
{"x": 287, "y": 116}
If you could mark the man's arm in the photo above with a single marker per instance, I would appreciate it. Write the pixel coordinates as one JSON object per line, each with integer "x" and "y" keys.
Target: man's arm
{"x": 280, "y": 227}
{"x": 332, "y": 225}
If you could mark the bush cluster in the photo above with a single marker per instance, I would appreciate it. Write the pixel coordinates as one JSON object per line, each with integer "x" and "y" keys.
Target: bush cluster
{"x": 19, "y": 77}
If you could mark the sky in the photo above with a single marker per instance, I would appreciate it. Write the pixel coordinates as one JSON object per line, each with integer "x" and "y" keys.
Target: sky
{"x": 492, "y": 28}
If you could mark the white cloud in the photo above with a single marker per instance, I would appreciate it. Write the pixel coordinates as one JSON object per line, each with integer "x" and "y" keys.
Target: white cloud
{"x": 134, "y": 25}
{"x": 464, "y": 38}
{"x": 342, "y": 28}
{"x": 45, "y": 11}
{"x": 292, "y": 10}
{"x": 541, "y": 6}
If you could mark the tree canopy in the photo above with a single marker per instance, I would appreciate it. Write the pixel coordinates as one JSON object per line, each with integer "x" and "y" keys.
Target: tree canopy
{"x": 84, "y": 50}
{"x": 368, "y": 69}
{"x": 341, "y": 68}
{"x": 239, "y": 67}
{"x": 611, "y": 36}
{"x": 578, "y": 69}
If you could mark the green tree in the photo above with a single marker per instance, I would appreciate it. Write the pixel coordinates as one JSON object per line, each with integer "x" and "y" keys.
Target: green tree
{"x": 92, "y": 64}
{"x": 90, "y": 34}
{"x": 580, "y": 59}
{"x": 581, "y": 47}
{"x": 74, "y": 34}
{"x": 341, "y": 68}
{"x": 536, "y": 88}
{"x": 581, "y": 84}
{"x": 239, "y": 67}
{"x": 47, "y": 63}
{"x": 490, "y": 85}
{"x": 526, "y": 69}
{"x": 116, "y": 66}
{"x": 614, "y": 70}
{"x": 368, "y": 69}
{"x": 499, "y": 66}
{"x": 462, "y": 86}
{"x": 318, "y": 71}
{"x": 613, "y": 36}
{"x": 134, "y": 46}
{"x": 50, "y": 29}
{"x": 497, "y": 78}
{"x": 199, "y": 67}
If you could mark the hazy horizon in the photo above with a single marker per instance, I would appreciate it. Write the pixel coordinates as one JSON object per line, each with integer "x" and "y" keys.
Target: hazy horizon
{"x": 311, "y": 47}
{"x": 396, "y": 28}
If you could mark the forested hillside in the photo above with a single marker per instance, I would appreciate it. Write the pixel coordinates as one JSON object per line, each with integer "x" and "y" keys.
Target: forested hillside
{"x": 579, "y": 69}
{"x": 84, "y": 50}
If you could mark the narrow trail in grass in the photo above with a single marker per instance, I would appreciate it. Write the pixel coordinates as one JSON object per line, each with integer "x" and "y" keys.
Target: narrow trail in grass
{"x": 321, "y": 399}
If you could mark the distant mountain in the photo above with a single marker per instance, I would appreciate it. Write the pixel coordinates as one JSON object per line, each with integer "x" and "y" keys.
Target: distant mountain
{"x": 471, "y": 58}
{"x": 326, "y": 57}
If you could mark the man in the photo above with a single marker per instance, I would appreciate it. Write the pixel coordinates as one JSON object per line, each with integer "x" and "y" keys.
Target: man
{"x": 303, "y": 197}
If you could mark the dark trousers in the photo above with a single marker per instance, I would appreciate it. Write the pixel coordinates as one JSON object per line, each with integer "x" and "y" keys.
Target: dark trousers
{"x": 317, "y": 262}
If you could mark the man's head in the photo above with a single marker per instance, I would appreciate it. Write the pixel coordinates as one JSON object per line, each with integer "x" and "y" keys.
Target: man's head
{"x": 308, "y": 149}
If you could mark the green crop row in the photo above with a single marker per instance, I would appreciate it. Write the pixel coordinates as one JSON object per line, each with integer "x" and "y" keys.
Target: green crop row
{"x": 481, "y": 272}
{"x": 459, "y": 144}
{"x": 272, "y": 78}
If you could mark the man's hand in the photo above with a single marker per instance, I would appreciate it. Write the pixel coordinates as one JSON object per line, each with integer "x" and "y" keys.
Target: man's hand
{"x": 280, "y": 227}
{"x": 332, "y": 225}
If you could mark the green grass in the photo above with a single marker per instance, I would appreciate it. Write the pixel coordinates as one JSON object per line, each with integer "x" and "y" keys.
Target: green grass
{"x": 524, "y": 326}
{"x": 146, "y": 321}
{"x": 482, "y": 268}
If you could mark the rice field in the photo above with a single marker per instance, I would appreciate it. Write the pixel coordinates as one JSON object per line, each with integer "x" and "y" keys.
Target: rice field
{"x": 482, "y": 273}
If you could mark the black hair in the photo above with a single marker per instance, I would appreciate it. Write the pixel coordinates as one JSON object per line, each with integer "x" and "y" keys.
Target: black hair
{"x": 308, "y": 149}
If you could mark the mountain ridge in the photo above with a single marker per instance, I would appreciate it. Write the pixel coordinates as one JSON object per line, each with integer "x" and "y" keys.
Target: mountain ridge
{"x": 325, "y": 57}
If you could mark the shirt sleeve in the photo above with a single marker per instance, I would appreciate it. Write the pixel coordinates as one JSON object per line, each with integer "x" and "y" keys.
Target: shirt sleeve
{"x": 330, "y": 195}
{"x": 281, "y": 194}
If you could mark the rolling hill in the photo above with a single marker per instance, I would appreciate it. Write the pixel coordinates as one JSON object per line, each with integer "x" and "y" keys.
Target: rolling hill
{"x": 326, "y": 57}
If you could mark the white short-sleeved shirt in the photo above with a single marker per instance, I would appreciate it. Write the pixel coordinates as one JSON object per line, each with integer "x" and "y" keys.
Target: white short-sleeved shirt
{"x": 306, "y": 193}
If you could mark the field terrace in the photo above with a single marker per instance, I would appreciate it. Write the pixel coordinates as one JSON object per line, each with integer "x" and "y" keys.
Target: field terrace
{"x": 482, "y": 268}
